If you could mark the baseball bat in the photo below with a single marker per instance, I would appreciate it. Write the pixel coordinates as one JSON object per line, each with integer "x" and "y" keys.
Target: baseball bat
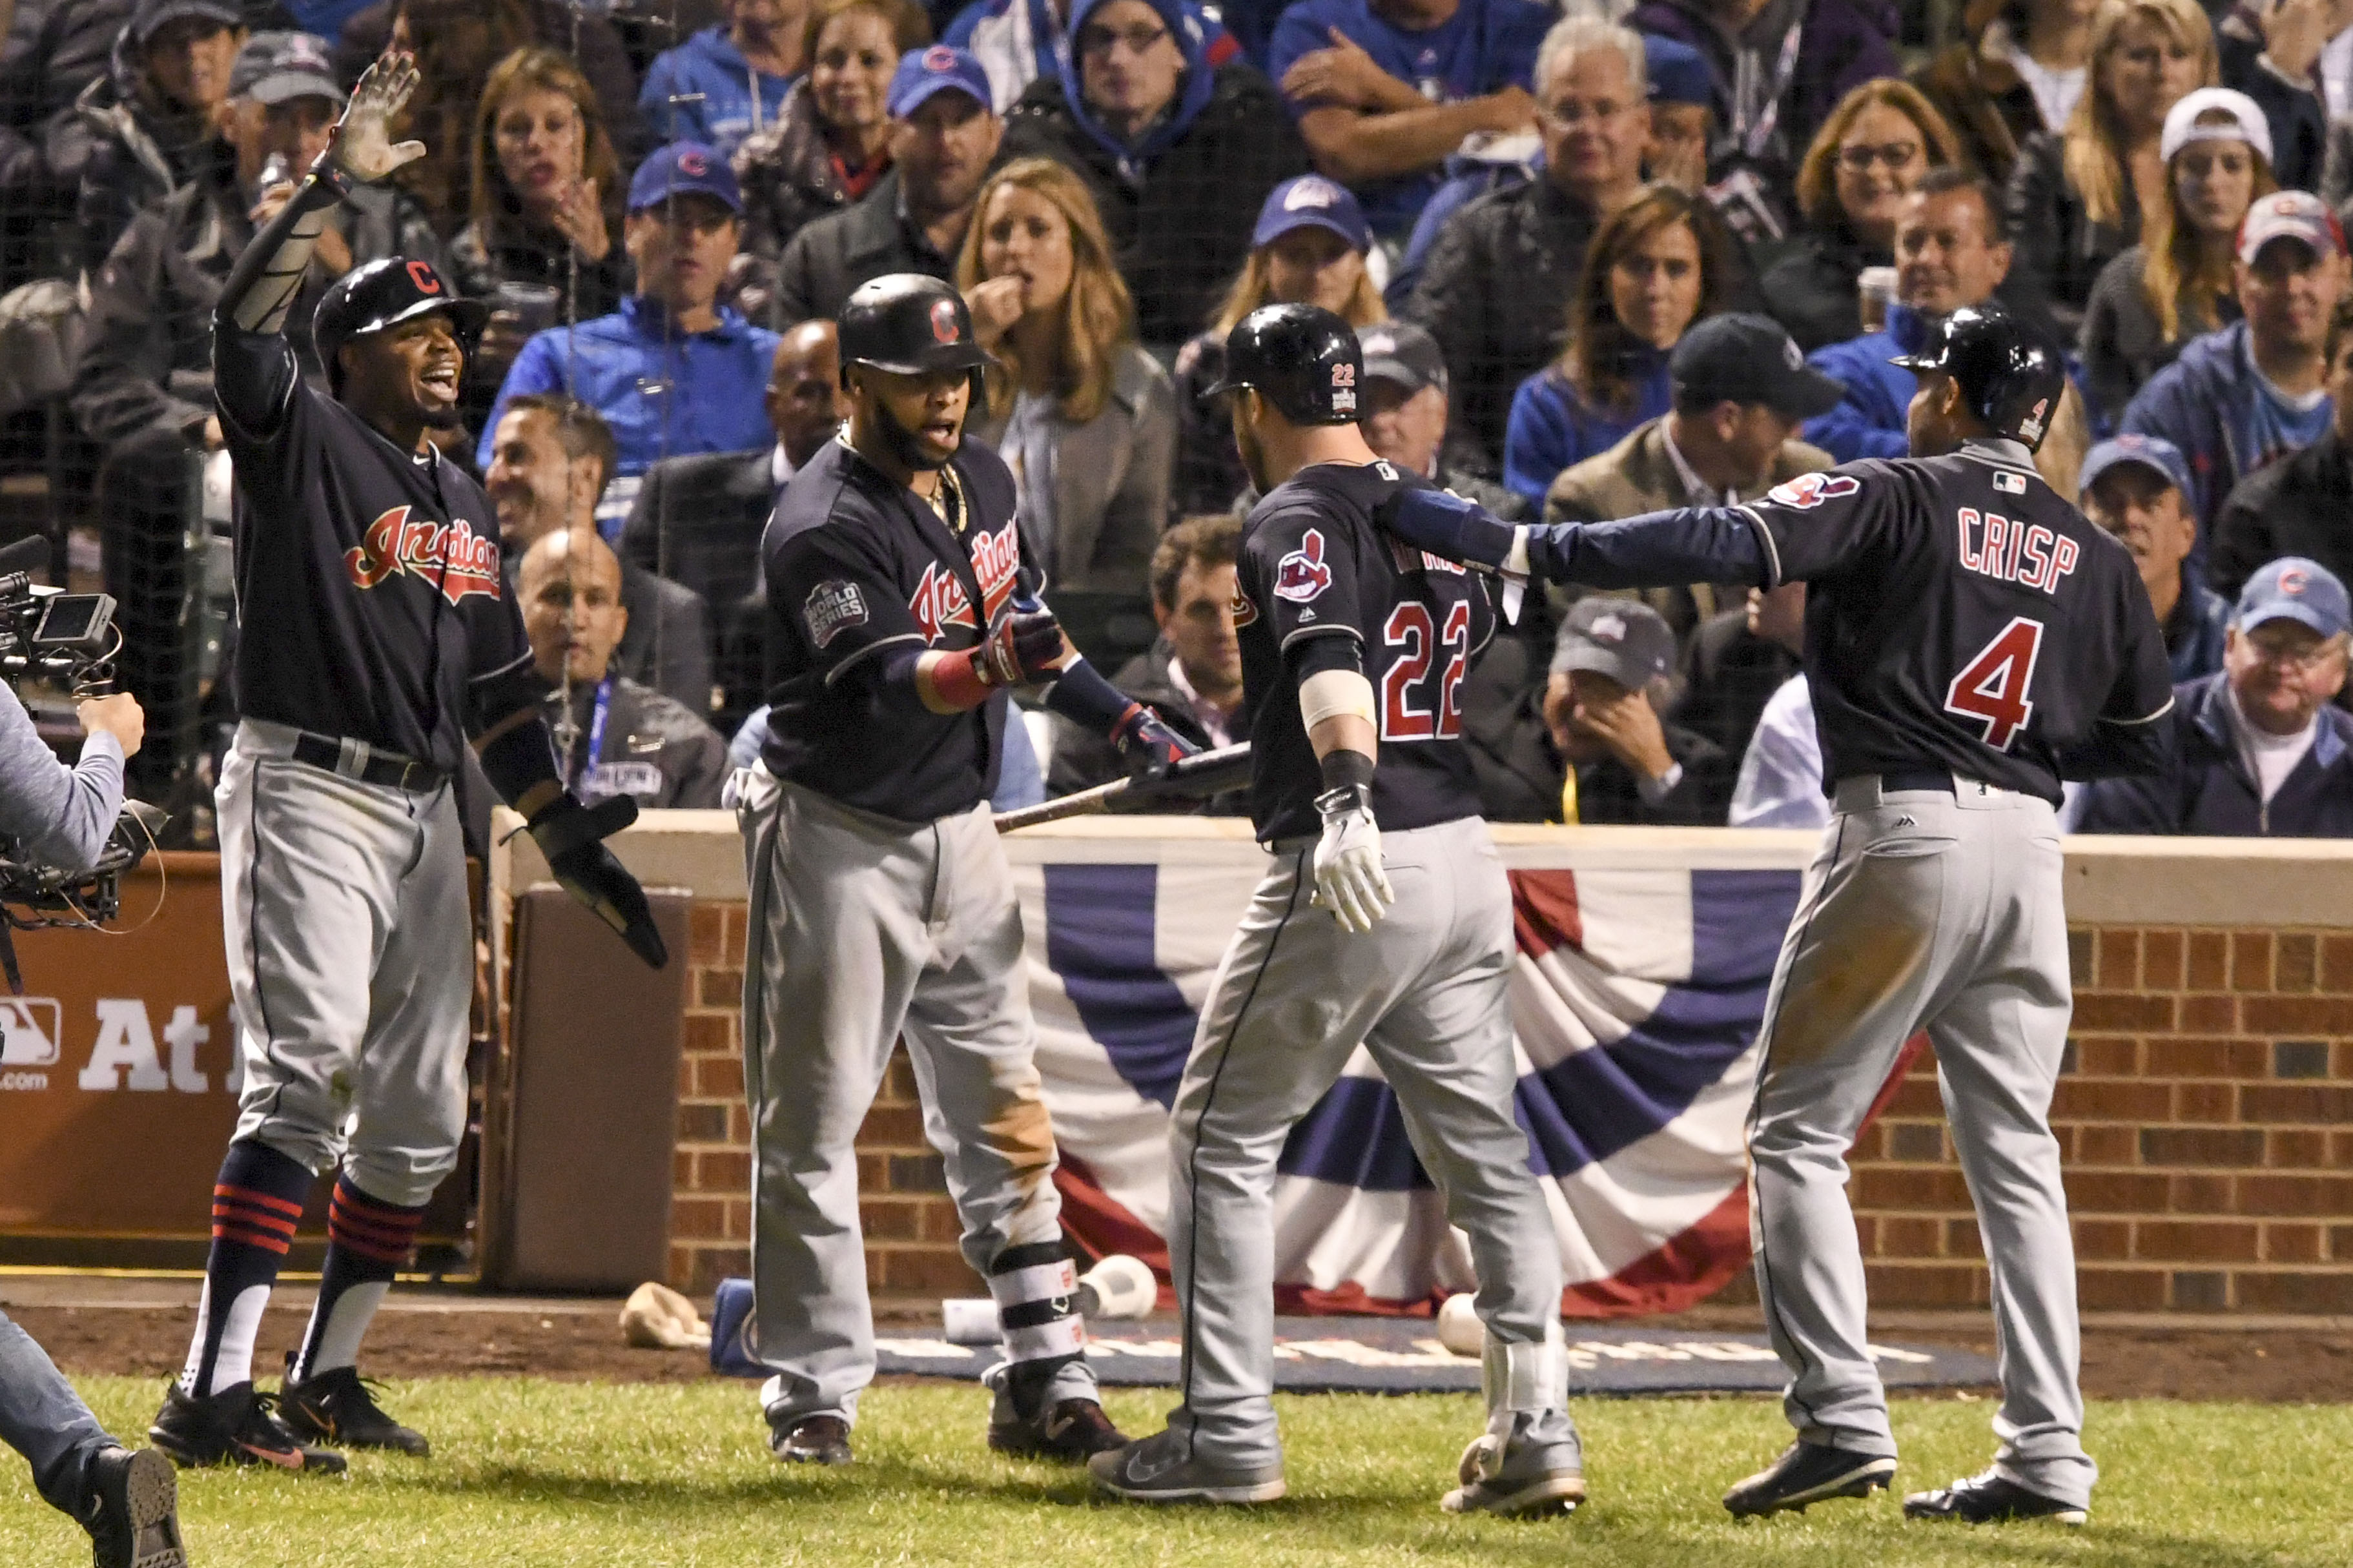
{"x": 1202, "y": 774}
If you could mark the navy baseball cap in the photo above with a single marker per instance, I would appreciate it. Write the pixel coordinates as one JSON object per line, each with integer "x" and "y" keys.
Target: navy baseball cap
{"x": 1738, "y": 357}
{"x": 684, "y": 169}
{"x": 1624, "y": 639}
{"x": 2152, "y": 452}
{"x": 279, "y": 67}
{"x": 1679, "y": 73}
{"x": 938, "y": 68}
{"x": 2293, "y": 588}
{"x": 1311, "y": 200}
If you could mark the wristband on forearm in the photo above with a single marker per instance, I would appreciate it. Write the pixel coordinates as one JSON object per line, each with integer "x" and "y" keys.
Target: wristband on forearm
{"x": 261, "y": 287}
{"x": 1344, "y": 768}
{"x": 1083, "y": 696}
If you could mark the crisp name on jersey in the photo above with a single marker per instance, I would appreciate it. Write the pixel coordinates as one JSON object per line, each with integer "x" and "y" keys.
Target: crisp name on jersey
{"x": 450, "y": 555}
{"x": 2028, "y": 554}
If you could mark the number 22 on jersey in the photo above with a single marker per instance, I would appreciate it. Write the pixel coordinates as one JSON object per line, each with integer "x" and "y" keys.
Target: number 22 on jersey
{"x": 1992, "y": 687}
{"x": 1411, "y": 708}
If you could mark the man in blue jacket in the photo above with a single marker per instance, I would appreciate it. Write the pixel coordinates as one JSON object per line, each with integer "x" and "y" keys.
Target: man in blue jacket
{"x": 672, "y": 371}
{"x": 2258, "y": 750}
{"x": 727, "y": 81}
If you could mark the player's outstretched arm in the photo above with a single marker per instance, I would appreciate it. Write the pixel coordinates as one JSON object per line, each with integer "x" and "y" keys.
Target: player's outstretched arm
{"x": 1690, "y": 544}
{"x": 360, "y": 150}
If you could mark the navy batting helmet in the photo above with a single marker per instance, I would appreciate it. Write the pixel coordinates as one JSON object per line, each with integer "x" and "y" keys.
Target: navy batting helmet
{"x": 370, "y": 298}
{"x": 910, "y": 324}
{"x": 2009, "y": 371}
{"x": 1300, "y": 358}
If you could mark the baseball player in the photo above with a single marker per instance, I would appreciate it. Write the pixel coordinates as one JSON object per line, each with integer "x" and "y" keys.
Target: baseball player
{"x": 374, "y": 638}
{"x": 1971, "y": 640}
{"x": 1353, "y": 653}
{"x": 899, "y": 613}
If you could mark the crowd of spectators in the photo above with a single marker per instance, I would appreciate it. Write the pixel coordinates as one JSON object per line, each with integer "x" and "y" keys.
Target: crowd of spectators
{"x": 1604, "y": 256}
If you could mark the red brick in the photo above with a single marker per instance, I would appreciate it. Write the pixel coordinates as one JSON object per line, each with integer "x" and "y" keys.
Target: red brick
{"x": 927, "y": 1269}
{"x": 2304, "y": 1103}
{"x": 2301, "y": 1292}
{"x": 890, "y": 1219}
{"x": 686, "y": 1078}
{"x": 681, "y": 1171}
{"x": 1870, "y": 1143}
{"x": 873, "y": 1171}
{"x": 2118, "y": 966}
{"x": 718, "y": 1078}
{"x": 2162, "y": 957}
{"x": 722, "y": 1170}
{"x": 702, "y": 1123}
{"x": 2197, "y": 1056}
{"x": 2205, "y": 1101}
{"x": 2111, "y": 1100}
{"x": 2107, "y": 1055}
{"x": 698, "y": 1218}
{"x": 1961, "y": 1238}
{"x": 1907, "y": 1236}
{"x": 709, "y": 1033}
{"x": 2209, "y": 960}
{"x": 2120, "y": 1290}
{"x": 2105, "y": 1240}
{"x": 2120, "y": 1011}
{"x": 739, "y": 1125}
{"x": 2292, "y": 1243}
{"x": 1924, "y": 1284}
{"x": 2200, "y": 1145}
{"x": 2340, "y": 1149}
{"x": 739, "y": 926}
{"x": 2107, "y": 1145}
{"x": 2174, "y": 1241}
{"x": 698, "y": 1270}
{"x": 2340, "y": 1242}
{"x": 706, "y": 935}
{"x": 2251, "y": 961}
{"x": 2296, "y": 962}
{"x": 937, "y": 1220}
{"x": 893, "y": 1127}
{"x": 739, "y": 1219}
{"x": 2217, "y": 1015}
{"x": 898, "y": 1081}
{"x": 1916, "y": 1097}
{"x": 1866, "y": 1234}
{"x": 2299, "y": 1198}
{"x": 1917, "y": 1188}
{"x": 2202, "y": 1194}
{"x": 719, "y": 987}
{"x": 2114, "y": 1192}
{"x": 2296, "y": 1015}
{"x": 2081, "y": 942}
{"x": 2292, "y": 1149}
{"x": 2337, "y": 963}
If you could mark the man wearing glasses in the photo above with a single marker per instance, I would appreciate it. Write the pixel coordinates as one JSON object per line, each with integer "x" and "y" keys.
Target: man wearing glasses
{"x": 2258, "y": 750}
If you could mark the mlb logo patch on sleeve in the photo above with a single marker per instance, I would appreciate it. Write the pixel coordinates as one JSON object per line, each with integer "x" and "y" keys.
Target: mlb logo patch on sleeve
{"x": 833, "y": 607}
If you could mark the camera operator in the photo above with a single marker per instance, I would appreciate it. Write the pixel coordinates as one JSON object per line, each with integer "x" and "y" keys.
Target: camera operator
{"x": 128, "y": 1501}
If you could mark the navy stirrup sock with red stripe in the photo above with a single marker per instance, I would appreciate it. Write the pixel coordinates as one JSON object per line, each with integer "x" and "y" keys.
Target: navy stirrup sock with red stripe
{"x": 369, "y": 1242}
{"x": 257, "y": 1202}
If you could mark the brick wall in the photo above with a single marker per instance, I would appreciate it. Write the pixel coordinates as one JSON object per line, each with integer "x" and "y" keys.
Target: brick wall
{"x": 2206, "y": 1120}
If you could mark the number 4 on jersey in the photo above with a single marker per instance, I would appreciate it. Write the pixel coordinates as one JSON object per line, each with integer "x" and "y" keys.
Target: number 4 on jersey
{"x": 1993, "y": 685}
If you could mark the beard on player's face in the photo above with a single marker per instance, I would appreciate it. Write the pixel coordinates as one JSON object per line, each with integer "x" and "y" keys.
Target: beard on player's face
{"x": 408, "y": 371}
{"x": 919, "y": 419}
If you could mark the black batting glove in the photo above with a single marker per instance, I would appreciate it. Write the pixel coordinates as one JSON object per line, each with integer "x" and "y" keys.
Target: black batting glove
{"x": 1023, "y": 650}
{"x": 572, "y": 836}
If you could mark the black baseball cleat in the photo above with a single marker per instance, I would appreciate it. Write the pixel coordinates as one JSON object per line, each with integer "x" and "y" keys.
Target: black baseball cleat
{"x": 1989, "y": 1499}
{"x": 133, "y": 1515}
{"x": 1073, "y": 1430}
{"x": 238, "y": 1425}
{"x": 337, "y": 1408}
{"x": 811, "y": 1440}
{"x": 1808, "y": 1473}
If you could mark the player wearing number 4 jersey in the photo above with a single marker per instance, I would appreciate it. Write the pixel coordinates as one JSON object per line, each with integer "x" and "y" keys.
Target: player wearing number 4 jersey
{"x": 1351, "y": 649}
{"x": 1970, "y": 641}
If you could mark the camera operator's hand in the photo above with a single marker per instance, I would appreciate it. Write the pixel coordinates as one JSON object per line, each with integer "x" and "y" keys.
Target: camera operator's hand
{"x": 118, "y": 715}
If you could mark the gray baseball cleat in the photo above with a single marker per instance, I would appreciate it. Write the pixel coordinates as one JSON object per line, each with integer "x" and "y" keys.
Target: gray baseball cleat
{"x": 1162, "y": 1468}
{"x": 1808, "y": 1473}
{"x": 1528, "y": 1482}
{"x": 1989, "y": 1499}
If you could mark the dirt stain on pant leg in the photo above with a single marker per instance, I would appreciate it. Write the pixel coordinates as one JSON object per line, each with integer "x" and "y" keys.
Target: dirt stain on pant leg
{"x": 1861, "y": 959}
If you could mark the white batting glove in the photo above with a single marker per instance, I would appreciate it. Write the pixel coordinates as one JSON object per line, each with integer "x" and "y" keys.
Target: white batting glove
{"x": 361, "y": 143}
{"x": 1349, "y": 880}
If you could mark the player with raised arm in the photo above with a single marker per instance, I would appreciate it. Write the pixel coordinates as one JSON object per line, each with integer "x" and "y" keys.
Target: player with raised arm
{"x": 375, "y": 639}
{"x": 1354, "y": 652}
{"x": 1970, "y": 641}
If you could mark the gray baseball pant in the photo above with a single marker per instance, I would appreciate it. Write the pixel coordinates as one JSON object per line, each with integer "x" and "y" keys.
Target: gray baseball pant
{"x": 1923, "y": 910}
{"x": 1425, "y": 992}
{"x": 351, "y": 966}
{"x": 863, "y": 931}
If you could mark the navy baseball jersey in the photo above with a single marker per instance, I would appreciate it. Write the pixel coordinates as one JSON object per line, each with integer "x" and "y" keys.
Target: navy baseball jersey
{"x": 856, "y": 565}
{"x": 1314, "y": 565}
{"x": 368, "y": 589}
{"x": 1960, "y": 615}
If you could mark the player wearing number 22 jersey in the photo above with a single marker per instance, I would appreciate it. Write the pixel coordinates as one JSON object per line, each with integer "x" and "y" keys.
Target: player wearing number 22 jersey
{"x": 1970, "y": 641}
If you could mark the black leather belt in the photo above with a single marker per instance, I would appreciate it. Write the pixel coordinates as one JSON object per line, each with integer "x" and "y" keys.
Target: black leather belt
{"x": 367, "y": 764}
{"x": 1937, "y": 779}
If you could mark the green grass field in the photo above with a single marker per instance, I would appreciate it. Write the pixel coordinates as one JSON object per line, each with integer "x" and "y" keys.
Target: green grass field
{"x": 675, "y": 1477}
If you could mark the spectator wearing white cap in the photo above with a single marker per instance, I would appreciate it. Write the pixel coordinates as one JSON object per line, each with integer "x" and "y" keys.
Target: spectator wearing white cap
{"x": 2178, "y": 281}
{"x": 2257, "y": 390}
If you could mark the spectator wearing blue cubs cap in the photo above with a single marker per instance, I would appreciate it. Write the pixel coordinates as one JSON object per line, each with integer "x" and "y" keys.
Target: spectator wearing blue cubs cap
{"x": 1307, "y": 247}
{"x": 2298, "y": 505}
{"x": 945, "y": 135}
{"x": 2259, "y": 750}
{"x": 672, "y": 371}
{"x": 2136, "y": 489}
{"x": 1176, "y": 152}
{"x": 1682, "y": 117}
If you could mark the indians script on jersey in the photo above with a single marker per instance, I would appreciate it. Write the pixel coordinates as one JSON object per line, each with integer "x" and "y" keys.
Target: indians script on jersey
{"x": 451, "y": 555}
{"x": 939, "y": 601}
